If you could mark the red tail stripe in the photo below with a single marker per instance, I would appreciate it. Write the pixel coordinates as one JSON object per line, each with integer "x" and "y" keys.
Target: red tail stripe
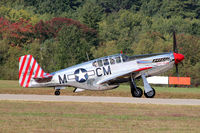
{"x": 25, "y": 73}
{"x": 30, "y": 75}
{"x": 22, "y": 66}
{"x": 42, "y": 74}
{"x": 38, "y": 68}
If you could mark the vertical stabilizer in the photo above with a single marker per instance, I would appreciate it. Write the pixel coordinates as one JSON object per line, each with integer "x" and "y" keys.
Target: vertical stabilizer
{"x": 28, "y": 69}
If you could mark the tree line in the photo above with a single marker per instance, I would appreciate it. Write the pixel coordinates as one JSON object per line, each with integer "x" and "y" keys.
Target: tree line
{"x": 61, "y": 33}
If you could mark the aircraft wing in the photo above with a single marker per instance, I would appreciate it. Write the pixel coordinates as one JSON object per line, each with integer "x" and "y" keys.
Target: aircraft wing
{"x": 121, "y": 74}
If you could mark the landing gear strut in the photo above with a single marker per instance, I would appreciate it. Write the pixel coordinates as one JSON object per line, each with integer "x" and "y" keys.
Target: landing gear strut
{"x": 57, "y": 92}
{"x": 149, "y": 92}
{"x": 135, "y": 91}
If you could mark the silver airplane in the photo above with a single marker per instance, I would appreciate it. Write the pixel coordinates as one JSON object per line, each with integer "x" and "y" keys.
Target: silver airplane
{"x": 101, "y": 74}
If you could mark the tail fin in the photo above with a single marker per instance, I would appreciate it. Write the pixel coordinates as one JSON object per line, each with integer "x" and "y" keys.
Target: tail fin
{"x": 28, "y": 69}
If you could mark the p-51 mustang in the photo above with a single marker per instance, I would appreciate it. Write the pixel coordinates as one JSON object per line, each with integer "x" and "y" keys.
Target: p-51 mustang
{"x": 101, "y": 74}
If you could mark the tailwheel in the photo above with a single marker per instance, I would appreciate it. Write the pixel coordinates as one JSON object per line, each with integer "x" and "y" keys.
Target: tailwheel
{"x": 57, "y": 92}
{"x": 150, "y": 94}
{"x": 136, "y": 92}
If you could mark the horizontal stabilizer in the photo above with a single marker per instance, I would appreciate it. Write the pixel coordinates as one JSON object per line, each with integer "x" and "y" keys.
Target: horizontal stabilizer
{"x": 43, "y": 79}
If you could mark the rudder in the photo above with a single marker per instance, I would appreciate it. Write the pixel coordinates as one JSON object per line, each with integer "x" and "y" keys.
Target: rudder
{"x": 29, "y": 68}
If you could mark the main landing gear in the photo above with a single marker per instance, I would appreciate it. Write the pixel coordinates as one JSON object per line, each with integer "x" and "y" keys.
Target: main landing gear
{"x": 149, "y": 92}
{"x": 135, "y": 91}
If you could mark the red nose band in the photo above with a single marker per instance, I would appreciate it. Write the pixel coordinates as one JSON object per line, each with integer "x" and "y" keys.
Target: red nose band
{"x": 178, "y": 57}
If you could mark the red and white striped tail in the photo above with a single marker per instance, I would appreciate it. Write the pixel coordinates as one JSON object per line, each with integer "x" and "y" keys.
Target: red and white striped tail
{"x": 28, "y": 69}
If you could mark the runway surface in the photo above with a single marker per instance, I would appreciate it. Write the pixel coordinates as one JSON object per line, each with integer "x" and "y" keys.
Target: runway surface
{"x": 100, "y": 99}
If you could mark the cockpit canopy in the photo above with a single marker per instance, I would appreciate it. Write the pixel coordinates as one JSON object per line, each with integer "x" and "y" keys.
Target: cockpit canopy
{"x": 119, "y": 58}
{"x": 110, "y": 60}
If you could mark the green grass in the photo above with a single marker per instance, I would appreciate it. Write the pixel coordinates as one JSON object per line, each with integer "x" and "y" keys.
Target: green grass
{"x": 72, "y": 117}
{"x": 12, "y": 87}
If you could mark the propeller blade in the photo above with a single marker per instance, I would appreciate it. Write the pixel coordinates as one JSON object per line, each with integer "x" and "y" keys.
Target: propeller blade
{"x": 177, "y": 70}
{"x": 174, "y": 43}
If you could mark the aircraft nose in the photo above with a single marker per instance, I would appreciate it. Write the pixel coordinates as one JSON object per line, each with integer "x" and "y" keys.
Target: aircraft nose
{"x": 178, "y": 57}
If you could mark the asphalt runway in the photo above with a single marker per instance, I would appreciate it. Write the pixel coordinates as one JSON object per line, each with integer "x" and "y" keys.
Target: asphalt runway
{"x": 98, "y": 99}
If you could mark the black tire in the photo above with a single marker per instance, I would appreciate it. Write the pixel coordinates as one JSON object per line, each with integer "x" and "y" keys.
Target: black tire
{"x": 136, "y": 92}
{"x": 150, "y": 94}
{"x": 57, "y": 92}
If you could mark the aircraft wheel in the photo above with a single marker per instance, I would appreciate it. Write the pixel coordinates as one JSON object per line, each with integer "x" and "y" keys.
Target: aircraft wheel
{"x": 57, "y": 93}
{"x": 150, "y": 94}
{"x": 136, "y": 92}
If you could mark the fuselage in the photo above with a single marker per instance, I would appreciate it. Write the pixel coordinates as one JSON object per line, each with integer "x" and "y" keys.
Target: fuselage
{"x": 92, "y": 74}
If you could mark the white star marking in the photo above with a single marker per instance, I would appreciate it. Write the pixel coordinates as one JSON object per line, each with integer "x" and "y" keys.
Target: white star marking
{"x": 81, "y": 75}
